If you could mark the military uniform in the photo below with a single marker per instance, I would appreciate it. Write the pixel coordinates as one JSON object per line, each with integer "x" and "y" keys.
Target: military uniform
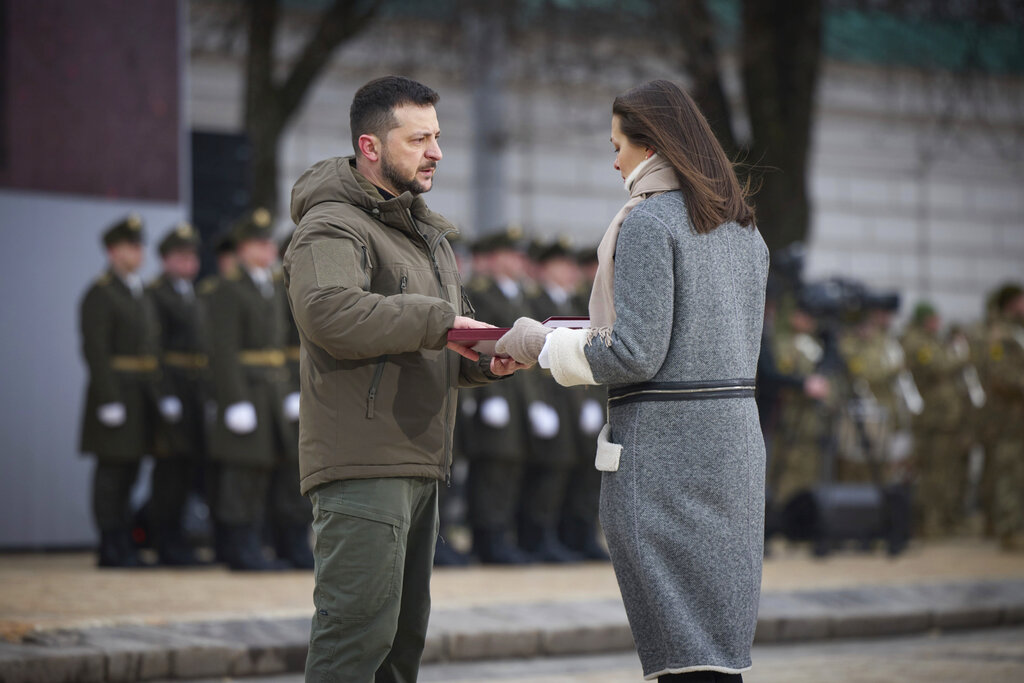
{"x": 120, "y": 344}
{"x": 552, "y": 417}
{"x": 795, "y": 462}
{"x": 498, "y": 433}
{"x": 940, "y": 454}
{"x": 1005, "y": 370}
{"x": 181, "y": 439}
{"x": 251, "y": 436}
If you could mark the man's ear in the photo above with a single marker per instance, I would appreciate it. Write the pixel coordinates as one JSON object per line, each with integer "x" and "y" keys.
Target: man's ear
{"x": 370, "y": 147}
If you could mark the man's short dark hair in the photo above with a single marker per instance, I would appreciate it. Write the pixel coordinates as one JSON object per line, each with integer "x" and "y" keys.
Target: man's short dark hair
{"x": 373, "y": 107}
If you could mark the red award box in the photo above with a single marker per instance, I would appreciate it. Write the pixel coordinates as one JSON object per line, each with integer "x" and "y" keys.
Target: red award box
{"x": 482, "y": 339}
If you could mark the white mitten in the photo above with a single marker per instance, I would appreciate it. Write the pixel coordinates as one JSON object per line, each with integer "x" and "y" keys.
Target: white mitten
{"x": 112, "y": 414}
{"x": 591, "y": 417}
{"x": 291, "y": 406}
{"x": 240, "y": 417}
{"x": 495, "y": 413}
{"x": 543, "y": 420}
{"x": 170, "y": 408}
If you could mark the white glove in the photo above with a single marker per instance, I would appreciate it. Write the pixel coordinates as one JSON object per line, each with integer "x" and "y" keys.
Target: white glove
{"x": 112, "y": 414}
{"x": 543, "y": 420}
{"x": 591, "y": 417}
{"x": 291, "y": 406}
{"x": 240, "y": 417}
{"x": 495, "y": 412}
{"x": 170, "y": 408}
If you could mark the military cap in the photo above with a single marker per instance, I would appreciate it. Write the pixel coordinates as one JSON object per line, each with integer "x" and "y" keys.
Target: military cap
{"x": 586, "y": 256}
{"x": 509, "y": 238}
{"x": 224, "y": 243}
{"x": 922, "y": 311}
{"x": 559, "y": 248}
{"x": 128, "y": 229}
{"x": 181, "y": 236}
{"x": 1006, "y": 294}
{"x": 255, "y": 225}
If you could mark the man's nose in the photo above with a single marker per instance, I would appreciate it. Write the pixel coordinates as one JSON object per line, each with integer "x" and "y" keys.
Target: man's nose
{"x": 434, "y": 152}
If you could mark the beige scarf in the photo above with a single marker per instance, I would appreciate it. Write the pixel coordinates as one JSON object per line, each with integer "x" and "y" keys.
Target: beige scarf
{"x": 651, "y": 176}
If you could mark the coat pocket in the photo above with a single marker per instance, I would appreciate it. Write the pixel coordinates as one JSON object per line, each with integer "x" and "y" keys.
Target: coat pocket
{"x": 608, "y": 453}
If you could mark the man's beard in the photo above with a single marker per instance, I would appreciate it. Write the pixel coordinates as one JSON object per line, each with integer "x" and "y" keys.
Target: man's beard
{"x": 394, "y": 177}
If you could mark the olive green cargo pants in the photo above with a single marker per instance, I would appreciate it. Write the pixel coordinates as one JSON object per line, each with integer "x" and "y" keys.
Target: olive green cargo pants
{"x": 374, "y": 552}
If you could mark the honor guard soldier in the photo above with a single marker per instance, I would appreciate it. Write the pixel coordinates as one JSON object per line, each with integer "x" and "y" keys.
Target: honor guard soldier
{"x": 120, "y": 344}
{"x": 245, "y": 322}
{"x": 579, "y": 528}
{"x": 551, "y": 415}
{"x": 940, "y": 450}
{"x": 1005, "y": 369}
{"x": 498, "y": 442}
{"x": 181, "y": 440}
{"x": 290, "y": 512}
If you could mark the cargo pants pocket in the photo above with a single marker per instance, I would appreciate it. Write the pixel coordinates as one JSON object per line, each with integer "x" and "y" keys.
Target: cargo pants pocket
{"x": 357, "y": 554}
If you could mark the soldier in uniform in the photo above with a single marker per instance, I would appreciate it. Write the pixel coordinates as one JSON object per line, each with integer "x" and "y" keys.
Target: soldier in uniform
{"x": 498, "y": 432}
{"x": 1005, "y": 369}
{"x": 291, "y": 513}
{"x": 120, "y": 345}
{"x": 801, "y": 419}
{"x": 940, "y": 454}
{"x": 885, "y": 392}
{"x": 579, "y": 528}
{"x": 181, "y": 444}
{"x": 250, "y": 438}
{"x": 551, "y": 415}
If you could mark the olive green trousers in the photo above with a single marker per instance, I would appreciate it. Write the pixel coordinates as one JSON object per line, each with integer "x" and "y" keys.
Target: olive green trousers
{"x": 374, "y": 552}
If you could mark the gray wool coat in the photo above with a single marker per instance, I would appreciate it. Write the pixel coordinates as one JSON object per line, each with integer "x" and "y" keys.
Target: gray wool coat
{"x": 684, "y": 512}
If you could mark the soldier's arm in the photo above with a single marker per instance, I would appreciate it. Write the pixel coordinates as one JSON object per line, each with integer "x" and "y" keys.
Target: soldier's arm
{"x": 97, "y": 325}
{"x": 224, "y": 325}
{"x": 328, "y": 285}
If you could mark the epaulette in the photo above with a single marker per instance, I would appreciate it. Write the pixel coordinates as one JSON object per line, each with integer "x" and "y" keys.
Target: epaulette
{"x": 207, "y": 285}
{"x": 156, "y": 282}
{"x": 278, "y": 275}
{"x": 104, "y": 279}
{"x": 531, "y": 290}
{"x": 234, "y": 276}
{"x": 479, "y": 284}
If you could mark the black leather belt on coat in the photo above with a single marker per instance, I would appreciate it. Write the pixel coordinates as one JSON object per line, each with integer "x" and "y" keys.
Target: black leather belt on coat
{"x": 681, "y": 391}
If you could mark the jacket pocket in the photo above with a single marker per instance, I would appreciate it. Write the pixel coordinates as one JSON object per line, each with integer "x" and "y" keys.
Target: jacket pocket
{"x": 374, "y": 384}
{"x": 357, "y": 549}
{"x": 608, "y": 453}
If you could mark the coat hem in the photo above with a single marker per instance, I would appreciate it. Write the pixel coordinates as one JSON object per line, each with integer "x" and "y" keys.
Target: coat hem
{"x": 690, "y": 669}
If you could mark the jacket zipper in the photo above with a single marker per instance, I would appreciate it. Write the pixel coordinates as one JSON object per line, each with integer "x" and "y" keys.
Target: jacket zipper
{"x": 366, "y": 263}
{"x": 447, "y": 361}
{"x": 373, "y": 386}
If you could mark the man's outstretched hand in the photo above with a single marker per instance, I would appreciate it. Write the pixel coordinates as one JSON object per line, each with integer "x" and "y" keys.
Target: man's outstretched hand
{"x": 499, "y": 366}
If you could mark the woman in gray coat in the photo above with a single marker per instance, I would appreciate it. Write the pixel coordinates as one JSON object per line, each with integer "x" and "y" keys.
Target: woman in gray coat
{"x": 675, "y": 332}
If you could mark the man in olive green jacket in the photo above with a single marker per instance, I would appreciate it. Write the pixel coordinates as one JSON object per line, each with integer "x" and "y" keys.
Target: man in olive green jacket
{"x": 374, "y": 289}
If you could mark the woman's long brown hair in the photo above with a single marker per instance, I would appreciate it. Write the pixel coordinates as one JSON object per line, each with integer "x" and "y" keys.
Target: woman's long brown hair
{"x": 663, "y": 117}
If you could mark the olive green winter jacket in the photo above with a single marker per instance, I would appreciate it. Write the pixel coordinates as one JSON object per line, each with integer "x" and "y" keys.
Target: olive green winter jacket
{"x": 374, "y": 289}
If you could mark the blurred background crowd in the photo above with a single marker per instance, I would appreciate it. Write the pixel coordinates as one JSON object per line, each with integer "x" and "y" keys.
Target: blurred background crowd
{"x": 883, "y": 140}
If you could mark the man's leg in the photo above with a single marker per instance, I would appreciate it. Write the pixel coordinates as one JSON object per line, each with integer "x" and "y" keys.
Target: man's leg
{"x": 403, "y": 662}
{"x": 361, "y": 528}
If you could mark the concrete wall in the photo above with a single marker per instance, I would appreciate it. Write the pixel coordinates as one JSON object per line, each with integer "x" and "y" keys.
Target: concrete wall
{"x": 51, "y": 254}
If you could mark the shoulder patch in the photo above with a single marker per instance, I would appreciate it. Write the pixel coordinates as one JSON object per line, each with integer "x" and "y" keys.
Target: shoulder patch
{"x": 104, "y": 280}
{"x": 208, "y": 285}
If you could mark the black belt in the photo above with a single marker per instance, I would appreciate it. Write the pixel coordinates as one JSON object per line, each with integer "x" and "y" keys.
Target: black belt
{"x": 681, "y": 391}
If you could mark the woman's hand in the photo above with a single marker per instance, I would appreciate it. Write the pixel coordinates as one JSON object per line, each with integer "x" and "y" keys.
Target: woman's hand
{"x": 524, "y": 341}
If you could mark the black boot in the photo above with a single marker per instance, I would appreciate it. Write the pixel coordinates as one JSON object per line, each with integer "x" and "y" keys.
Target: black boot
{"x": 543, "y": 544}
{"x": 293, "y": 545}
{"x": 118, "y": 551}
{"x": 172, "y": 549}
{"x": 493, "y": 547}
{"x": 580, "y": 536}
{"x": 445, "y": 555}
{"x": 244, "y": 551}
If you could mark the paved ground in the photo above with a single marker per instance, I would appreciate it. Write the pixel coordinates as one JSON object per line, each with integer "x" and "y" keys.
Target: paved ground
{"x": 68, "y": 591}
{"x": 960, "y": 657}
{"x": 62, "y": 619}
